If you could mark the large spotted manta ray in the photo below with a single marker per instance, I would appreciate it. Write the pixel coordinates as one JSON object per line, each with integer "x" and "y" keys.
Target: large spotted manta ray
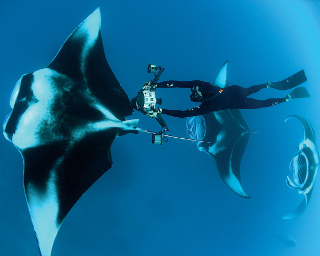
{"x": 227, "y": 134}
{"x": 64, "y": 120}
{"x": 305, "y": 165}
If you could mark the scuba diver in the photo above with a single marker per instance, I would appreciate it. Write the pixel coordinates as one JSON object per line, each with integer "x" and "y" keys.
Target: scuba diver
{"x": 220, "y": 96}
{"x": 213, "y": 97}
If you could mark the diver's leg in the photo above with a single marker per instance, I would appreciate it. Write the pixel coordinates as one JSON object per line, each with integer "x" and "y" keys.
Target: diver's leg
{"x": 250, "y": 103}
{"x": 255, "y": 88}
{"x": 240, "y": 93}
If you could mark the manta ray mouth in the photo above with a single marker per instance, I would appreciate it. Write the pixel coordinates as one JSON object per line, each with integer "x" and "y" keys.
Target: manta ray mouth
{"x": 299, "y": 166}
{"x": 196, "y": 127}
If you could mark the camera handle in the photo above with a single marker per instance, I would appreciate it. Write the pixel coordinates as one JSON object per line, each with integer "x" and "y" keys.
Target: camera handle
{"x": 157, "y": 76}
{"x": 163, "y": 123}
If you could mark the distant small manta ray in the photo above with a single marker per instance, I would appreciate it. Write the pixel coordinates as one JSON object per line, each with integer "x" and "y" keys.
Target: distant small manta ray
{"x": 64, "y": 120}
{"x": 227, "y": 134}
{"x": 286, "y": 240}
{"x": 305, "y": 165}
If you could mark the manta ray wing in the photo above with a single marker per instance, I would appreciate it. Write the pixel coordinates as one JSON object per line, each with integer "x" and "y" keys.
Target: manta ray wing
{"x": 221, "y": 79}
{"x": 228, "y": 134}
{"x": 308, "y": 130}
{"x": 228, "y": 142}
{"x": 64, "y": 120}
{"x": 300, "y": 209}
{"x": 82, "y": 58}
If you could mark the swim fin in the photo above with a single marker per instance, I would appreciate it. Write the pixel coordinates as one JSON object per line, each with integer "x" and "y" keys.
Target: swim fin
{"x": 290, "y": 82}
{"x": 299, "y": 92}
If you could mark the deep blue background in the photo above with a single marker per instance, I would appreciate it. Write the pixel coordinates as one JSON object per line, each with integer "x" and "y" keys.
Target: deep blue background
{"x": 169, "y": 199}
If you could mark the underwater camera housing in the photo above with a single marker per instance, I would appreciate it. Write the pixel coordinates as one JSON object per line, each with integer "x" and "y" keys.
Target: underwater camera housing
{"x": 146, "y": 100}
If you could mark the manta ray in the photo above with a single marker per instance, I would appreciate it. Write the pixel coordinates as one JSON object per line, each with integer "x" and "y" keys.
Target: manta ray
{"x": 64, "y": 120}
{"x": 227, "y": 134}
{"x": 305, "y": 165}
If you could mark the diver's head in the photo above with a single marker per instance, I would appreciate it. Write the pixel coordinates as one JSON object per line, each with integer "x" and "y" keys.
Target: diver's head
{"x": 201, "y": 93}
{"x": 196, "y": 95}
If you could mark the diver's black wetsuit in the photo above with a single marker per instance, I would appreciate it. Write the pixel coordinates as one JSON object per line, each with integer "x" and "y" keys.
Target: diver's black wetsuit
{"x": 232, "y": 97}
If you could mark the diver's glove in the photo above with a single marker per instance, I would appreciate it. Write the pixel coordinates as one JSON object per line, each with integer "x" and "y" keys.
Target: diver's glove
{"x": 154, "y": 112}
{"x": 268, "y": 84}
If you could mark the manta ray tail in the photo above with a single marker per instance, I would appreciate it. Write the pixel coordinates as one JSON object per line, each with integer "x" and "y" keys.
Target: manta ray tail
{"x": 131, "y": 124}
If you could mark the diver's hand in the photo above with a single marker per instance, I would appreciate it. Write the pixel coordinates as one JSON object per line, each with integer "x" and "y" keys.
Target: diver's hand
{"x": 154, "y": 112}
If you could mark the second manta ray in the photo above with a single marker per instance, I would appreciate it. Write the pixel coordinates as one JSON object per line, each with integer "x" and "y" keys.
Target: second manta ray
{"x": 227, "y": 134}
{"x": 64, "y": 120}
{"x": 305, "y": 165}
{"x": 226, "y": 130}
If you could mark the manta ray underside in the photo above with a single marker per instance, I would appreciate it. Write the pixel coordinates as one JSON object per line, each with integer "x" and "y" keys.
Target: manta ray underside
{"x": 305, "y": 165}
{"x": 64, "y": 120}
{"x": 227, "y": 134}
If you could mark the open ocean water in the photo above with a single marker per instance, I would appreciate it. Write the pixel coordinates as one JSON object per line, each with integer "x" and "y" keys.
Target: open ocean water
{"x": 170, "y": 199}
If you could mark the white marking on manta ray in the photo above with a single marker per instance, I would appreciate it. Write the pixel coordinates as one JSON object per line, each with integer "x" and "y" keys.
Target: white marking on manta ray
{"x": 78, "y": 134}
{"x": 126, "y": 125}
{"x": 218, "y": 117}
{"x": 221, "y": 79}
{"x": 218, "y": 146}
{"x": 105, "y": 112}
{"x": 90, "y": 30}
{"x": 308, "y": 143}
{"x": 43, "y": 211}
{"x": 41, "y": 87}
{"x": 36, "y": 114}
{"x": 233, "y": 180}
{"x": 15, "y": 92}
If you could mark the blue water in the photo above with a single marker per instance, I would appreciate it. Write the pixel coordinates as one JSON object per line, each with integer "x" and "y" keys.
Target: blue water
{"x": 169, "y": 199}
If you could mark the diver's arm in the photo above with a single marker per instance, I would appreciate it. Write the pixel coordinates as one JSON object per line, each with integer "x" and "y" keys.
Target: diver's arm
{"x": 197, "y": 111}
{"x": 178, "y": 84}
